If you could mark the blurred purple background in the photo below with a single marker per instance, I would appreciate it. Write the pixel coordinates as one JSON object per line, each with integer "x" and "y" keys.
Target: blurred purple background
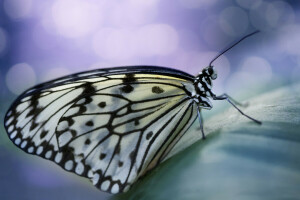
{"x": 42, "y": 40}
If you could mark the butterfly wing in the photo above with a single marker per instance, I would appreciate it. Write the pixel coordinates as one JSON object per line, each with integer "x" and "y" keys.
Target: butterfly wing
{"x": 109, "y": 125}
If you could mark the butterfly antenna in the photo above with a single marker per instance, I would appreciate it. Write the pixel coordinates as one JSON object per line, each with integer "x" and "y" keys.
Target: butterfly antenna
{"x": 234, "y": 44}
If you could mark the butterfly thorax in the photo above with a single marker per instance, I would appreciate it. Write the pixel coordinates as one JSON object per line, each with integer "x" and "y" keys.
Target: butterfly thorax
{"x": 202, "y": 87}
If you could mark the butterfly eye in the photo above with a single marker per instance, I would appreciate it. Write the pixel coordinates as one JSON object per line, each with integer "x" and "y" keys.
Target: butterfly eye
{"x": 214, "y": 75}
{"x": 210, "y": 71}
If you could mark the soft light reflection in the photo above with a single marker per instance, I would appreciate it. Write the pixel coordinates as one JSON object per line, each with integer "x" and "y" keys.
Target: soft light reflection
{"x": 42, "y": 38}
{"x": 231, "y": 26}
{"x": 189, "y": 40}
{"x": 114, "y": 43}
{"x": 20, "y": 77}
{"x": 291, "y": 44}
{"x": 258, "y": 67}
{"x": 3, "y": 40}
{"x": 295, "y": 79}
{"x": 101, "y": 65}
{"x": 249, "y": 4}
{"x": 75, "y": 18}
{"x": 212, "y": 33}
{"x": 258, "y": 17}
{"x": 192, "y": 4}
{"x": 131, "y": 14}
{"x": 271, "y": 15}
{"x": 150, "y": 40}
{"x": 241, "y": 82}
{"x": 254, "y": 72}
{"x": 142, "y": 3}
{"x": 156, "y": 39}
{"x": 54, "y": 73}
{"x": 295, "y": 74}
{"x": 280, "y": 13}
{"x": 17, "y": 9}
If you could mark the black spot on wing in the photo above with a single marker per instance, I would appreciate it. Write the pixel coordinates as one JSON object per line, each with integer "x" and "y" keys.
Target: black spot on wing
{"x": 33, "y": 126}
{"x": 102, "y": 156}
{"x": 35, "y": 110}
{"x": 34, "y": 99}
{"x": 102, "y": 104}
{"x": 157, "y": 89}
{"x": 89, "y": 123}
{"x": 118, "y": 149}
{"x": 126, "y": 88}
{"x": 149, "y": 135}
{"x": 43, "y": 134}
{"x": 69, "y": 120}
{"x": 87, "y": 142}
{"x": 87, "y": 100}
{"x": 132, "y": 155}
{"x": 129, "y": 78}
{"x": 88, "y": 89}
{"x": 120, "y": 164}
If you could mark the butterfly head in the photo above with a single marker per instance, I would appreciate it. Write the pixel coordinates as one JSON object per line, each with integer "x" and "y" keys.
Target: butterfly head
{"x": 210, "y": 72}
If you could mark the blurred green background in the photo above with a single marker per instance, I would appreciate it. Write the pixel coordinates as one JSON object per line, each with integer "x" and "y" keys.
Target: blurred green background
{"x": 42, "y": 40}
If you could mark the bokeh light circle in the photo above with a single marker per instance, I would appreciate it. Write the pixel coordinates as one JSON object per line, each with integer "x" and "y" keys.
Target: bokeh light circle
{"x": 259, "y": 67}
{"x": 156, "y": 39}
{"x": 20, "y": 77}
{"x": 234, "y": 21}
{"x": 149, "y": 40}
{"x": 289, "y": 45}
{"x": 249, "y": 4}
{"x": 3, "y": 40}
{"x": 280, "y": 13}
{"x": 254, "y": 72}
{"x": 17, "y": 9}
{"x": 75, "y": 18}
{"x": 114, "y": 44}
{"x": 295, "y": 75}
{"x": 132, "y": 14}
{"x": 54, "y": 73}
{"x": 212, "y": 33}
{"x": 271, "y": 15}
{"x": 192, "y": 4}
{"x": 42, "y": 39}
{"x": 148, "y": 3}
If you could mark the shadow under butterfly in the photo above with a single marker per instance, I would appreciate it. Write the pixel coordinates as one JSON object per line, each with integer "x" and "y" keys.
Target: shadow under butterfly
{"x": 112, "y": 125}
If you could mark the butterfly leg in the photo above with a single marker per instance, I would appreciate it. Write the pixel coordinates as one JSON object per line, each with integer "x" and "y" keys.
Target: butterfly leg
{"x": 201, "y": 122}
{"x": 232, "y": 102}
{"x": 235, "y": 101}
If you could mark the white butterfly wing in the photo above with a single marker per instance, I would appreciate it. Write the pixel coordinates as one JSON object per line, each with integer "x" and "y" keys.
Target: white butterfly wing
{"x": 111, "y": 128}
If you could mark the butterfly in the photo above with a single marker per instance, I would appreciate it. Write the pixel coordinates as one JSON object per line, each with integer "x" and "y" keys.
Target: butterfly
{"x": 111, "y": 125}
